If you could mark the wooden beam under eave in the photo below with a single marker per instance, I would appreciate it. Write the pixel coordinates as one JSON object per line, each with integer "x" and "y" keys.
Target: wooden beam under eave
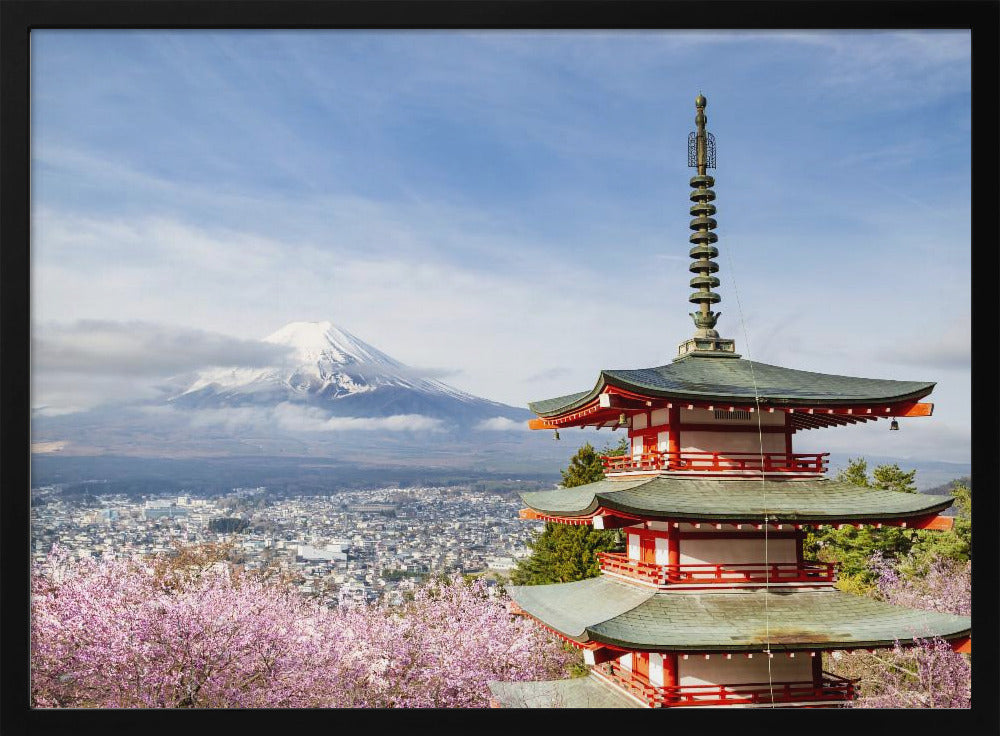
{"x": 809, "y": 421}
{"x": 529, "y": 514}
{"x": 918, "y": 409}
{"x": 941, "y": 523}
{"x": 617, "y": 401}
{"x": 610, "y": 521}
{"x": 540, "y": 423}
{"x": 963, "y": 645}
{"x": 599, "y": 656}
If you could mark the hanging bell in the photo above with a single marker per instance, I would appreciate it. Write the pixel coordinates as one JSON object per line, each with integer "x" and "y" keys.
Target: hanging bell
{"x": 622, "y": 420}
{"x": 556, "y": 435}
{"x": 893, "y": 425}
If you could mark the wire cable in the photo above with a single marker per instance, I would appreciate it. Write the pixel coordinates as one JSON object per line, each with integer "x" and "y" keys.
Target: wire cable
{"x": 763, "y": 480}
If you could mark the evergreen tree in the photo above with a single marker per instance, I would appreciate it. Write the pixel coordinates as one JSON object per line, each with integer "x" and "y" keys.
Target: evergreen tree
{"x": 563, "y": 553}
{"x": 852, "y": 548}
{"x": 954, "y": 544}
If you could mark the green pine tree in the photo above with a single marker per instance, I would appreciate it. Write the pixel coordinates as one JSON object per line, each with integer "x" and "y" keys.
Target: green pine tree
{"x": 852, "y": 548}
{"x": 562, "y": 553}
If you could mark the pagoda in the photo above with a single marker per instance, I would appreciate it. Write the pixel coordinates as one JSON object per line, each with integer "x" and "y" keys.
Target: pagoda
{"x": 712, "y": 602}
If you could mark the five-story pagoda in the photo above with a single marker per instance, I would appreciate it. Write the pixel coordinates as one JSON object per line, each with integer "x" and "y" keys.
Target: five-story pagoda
{"x": 713, "y": 604}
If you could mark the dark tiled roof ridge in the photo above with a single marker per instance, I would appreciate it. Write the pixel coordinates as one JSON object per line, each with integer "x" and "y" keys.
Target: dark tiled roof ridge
{"x": 820, "y": 500}
{"x": 731, "y": 621}
{"x": 700, "y": 378}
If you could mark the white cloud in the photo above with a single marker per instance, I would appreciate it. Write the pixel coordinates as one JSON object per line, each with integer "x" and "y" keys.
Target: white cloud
{"x": 948, "y": 350}
{"x": 501, "y": 424}
{"x": 296, "y": 418}
{"x": 311, "y": 419}
{"x": 90, "y": 363}
{"x": 106, "y": 347}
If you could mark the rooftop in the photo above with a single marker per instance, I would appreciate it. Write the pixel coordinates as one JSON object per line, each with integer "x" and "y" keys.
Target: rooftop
{"x": 607, "y": 611}
{"x": 579, "y": 692}
{"x": 801, "y": 500}
{"x": 737, "y": 380}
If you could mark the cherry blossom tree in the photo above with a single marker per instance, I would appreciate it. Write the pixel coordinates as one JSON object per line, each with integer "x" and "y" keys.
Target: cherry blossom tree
{"x": 120, "y": 634}
{"x": 925, "y": 673}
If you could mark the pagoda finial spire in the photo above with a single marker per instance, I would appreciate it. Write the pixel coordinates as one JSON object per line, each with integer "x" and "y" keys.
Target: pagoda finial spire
{"x": 701, "y": 156}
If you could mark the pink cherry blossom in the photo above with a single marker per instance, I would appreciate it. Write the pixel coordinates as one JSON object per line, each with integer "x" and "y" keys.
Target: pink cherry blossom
{"x": 114, "y": 634}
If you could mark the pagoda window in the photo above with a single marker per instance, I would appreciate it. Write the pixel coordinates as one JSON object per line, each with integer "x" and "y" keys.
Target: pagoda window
{"x": 735, "y": 417}
{"x": 734, "y": 414}
{"x": 737, "y": 551}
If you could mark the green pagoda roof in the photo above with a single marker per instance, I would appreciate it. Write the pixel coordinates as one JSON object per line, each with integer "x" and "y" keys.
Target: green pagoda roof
{"x": 792, "y": 500}
{"x": 732, "y": 379}
{"x": 579, "y": 692}
{"x": 607, "y": 611}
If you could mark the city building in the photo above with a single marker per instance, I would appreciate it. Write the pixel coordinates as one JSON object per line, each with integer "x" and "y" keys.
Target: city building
{"x": 712, "y": 603}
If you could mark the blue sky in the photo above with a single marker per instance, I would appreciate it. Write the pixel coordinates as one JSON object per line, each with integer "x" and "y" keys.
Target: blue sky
{"x": 507, "y": 210}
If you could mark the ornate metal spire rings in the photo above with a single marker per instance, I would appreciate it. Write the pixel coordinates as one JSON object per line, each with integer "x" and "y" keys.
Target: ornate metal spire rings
{"x": 703, "y": 224}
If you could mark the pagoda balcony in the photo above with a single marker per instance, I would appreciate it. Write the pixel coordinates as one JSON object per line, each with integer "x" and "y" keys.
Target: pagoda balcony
{"x": 831, "y": 689}
{"x": 717, "y": 574}
{"x": 718, "y": 463}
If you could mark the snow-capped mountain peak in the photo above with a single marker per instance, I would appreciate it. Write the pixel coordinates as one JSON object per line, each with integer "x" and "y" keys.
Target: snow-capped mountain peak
{"x": 319, "y": 341}
{"x": 325, "y": 362}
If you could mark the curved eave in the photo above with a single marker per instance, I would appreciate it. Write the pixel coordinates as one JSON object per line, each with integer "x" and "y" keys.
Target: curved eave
{"x": 722, "y": 500}
{"x": 730, "y": 620}
{"x": 842, "y": 391}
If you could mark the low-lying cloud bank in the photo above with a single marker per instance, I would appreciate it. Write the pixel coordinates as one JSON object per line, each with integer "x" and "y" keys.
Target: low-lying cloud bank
{"x": 500, "y": 424}
{"x": 296, "y": 418}
{"x": 88, "y": 363}
{"x": 139, "y": 348}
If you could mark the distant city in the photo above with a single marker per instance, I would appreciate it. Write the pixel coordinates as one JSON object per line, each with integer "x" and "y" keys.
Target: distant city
{"x": 347, "y": 549}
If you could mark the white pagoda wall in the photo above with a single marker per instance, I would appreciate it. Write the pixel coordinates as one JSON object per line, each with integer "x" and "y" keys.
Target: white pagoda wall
{"x": 734, "y": 551}
{"x": 722, "y": 441}
{"x": 662, "y": 551}
{"x": 656, "y": 668}
{"x": 633, "y": 547}
{"x": 717, "y": 670}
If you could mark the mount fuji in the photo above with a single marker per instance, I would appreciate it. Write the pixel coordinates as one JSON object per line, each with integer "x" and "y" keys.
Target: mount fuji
{"x": 328, "y": 402}
{"x": 330, "y": 370}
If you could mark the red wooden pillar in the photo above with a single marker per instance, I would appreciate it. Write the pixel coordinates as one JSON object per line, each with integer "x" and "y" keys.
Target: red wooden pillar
{"x": 669, "y": 669}
{"x": 800, "y": 539}
{"x": 640, "y": 664}
{"x": 647, "y": 548}
{"x": 670, "y": 678}
{"x": 817, "y": 669}
{"x": 674, "y": 430}
{"x": 673, "y": 547}
{"x": 788, "y": 443}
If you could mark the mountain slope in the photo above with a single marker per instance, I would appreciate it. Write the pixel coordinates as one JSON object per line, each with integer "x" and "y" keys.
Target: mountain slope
{"x": 330, "y": 369}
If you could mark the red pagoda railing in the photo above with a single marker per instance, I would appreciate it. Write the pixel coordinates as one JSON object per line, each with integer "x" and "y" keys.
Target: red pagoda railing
{"x": 719, "y": 462}
{"x": 831, "y": 688}
{"x": 750, "y": 572}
